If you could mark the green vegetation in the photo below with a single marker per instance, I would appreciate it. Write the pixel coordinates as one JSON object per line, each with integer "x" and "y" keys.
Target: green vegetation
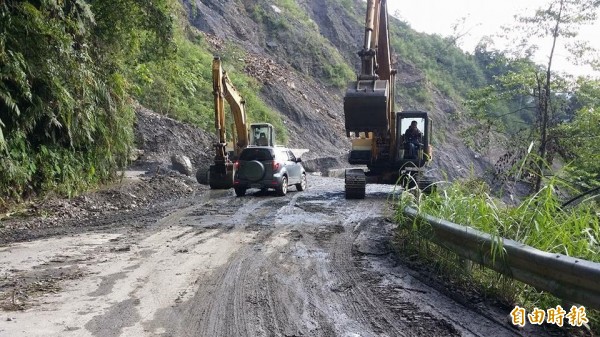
{"x": 272, "y": 22}
{"x": 415, "y": 95}
{"x": 179, "y": 86}
{"x": 318, "y": 57}
{"x": 579, "y": 139}
{"x": 69, "y": 75}
{"x": 347, "y": 4}
{"x": 539, "y": 221}
{"x": 293, "y": 10}
{"x": 558, "y": 21}
{"x": 65, "y": 122}
{"x": 442, "y": 64}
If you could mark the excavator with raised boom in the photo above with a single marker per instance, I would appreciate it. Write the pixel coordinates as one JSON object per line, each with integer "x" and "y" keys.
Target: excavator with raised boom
{"x": 376, "y": 129}
{"x": 221, "y": 173}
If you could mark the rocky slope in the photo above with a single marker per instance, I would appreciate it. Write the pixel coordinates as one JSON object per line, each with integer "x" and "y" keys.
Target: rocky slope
{"x": 285, "y": 60}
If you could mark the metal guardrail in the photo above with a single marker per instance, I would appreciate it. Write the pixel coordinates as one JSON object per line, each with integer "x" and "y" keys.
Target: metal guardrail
{"x": 568, "y": 278}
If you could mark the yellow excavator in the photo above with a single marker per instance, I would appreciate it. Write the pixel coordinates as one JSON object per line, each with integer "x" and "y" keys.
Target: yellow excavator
{"x": 220, "y": 174}
{"x": 378, "y": 140}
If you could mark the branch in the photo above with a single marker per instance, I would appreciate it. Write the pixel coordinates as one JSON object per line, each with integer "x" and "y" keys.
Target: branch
{"x": 515, "y": 111}
{"x": 581, "y": 195}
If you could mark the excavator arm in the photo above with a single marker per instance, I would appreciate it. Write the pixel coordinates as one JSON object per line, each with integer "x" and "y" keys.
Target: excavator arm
{"x": 369, "y": 101}
{"x": 238, "y": 110}
{"x": 221, "y": 173}
{"x": 223, "y": 90}
{"x": 370, "y": 112}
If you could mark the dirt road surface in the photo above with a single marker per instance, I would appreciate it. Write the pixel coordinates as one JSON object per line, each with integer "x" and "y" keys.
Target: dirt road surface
{"x": 307, "y": 264}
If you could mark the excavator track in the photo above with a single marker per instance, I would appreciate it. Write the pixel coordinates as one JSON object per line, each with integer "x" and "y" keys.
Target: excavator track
{"x": 355, "y": 184}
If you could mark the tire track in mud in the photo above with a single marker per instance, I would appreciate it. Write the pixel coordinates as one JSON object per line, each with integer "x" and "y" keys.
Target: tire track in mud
{"x": 301, "y": 275}
{"x": 261, "y": 265}
{"x": 349, "y": 288}
{"x": 219, "y": 306}
{"x": 392, "y": 318}
{"x": 293, "y": 279}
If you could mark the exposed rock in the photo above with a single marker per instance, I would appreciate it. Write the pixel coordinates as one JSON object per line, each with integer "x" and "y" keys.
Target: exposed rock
{"x": 182, "y": 164}
{"x": 159, "y": 137}
{"x": 294, "y": 84}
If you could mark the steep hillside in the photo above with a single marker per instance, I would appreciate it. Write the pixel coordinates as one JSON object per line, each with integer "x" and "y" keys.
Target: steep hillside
{"x": 69, "y": 89}
{"x": 312, "y": 44}
{"x": 276, "y": 54}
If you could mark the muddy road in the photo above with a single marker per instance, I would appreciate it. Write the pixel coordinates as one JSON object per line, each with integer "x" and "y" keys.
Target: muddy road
{"x": 307, "y": 264}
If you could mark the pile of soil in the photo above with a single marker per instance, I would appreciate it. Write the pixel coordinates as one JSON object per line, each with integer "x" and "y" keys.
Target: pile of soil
{"x": 131, "y": 197}
{"x": 159, "y": 137}
{"x": 149, "y": 182}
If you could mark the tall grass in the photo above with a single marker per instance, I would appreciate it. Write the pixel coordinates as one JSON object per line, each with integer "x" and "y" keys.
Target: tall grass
{"x": 539, "y": 221}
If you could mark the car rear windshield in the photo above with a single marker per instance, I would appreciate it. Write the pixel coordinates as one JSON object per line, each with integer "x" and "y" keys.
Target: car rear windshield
{"x": 256, "y": 154}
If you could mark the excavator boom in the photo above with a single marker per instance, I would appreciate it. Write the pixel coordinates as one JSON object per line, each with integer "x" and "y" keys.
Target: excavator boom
{"x": 369, "y": 101}
{"x": 223, "y": 90}
{"x": 238, "y": 110}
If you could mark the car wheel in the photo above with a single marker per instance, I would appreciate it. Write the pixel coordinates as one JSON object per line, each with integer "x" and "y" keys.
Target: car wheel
{"x": 240, "y": 191}
{"x": 302, "y": 185}
{"x": 282, "y": 190}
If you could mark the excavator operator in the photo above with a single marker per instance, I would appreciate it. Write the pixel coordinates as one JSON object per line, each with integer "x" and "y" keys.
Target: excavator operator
{"x": 262, "y": 140}
{"x": 412, "y": 140}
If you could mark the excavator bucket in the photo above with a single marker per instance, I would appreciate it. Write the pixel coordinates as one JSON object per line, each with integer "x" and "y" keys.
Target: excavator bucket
{"x": 220, "y": 177}
{"x": 366, "y": 106}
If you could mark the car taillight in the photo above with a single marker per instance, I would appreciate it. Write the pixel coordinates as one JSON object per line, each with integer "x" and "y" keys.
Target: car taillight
{"x": 276, "y": 166}
{"x": 236, "y": 164}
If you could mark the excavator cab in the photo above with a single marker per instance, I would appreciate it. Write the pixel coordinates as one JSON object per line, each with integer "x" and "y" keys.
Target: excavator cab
{"x": 413, "y": 149}
{"x": 262, "y": 134}
{"x": 413, "y": 143}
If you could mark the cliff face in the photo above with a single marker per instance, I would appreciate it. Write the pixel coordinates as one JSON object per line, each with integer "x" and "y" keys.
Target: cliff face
{"x": 299, "y": 50}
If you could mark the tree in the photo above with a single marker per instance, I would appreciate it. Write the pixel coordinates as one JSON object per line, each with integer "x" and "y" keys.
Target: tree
{"x": 64, "y": 114}
{"x": 547, "y": 92}
{"x": 579, "y": 139}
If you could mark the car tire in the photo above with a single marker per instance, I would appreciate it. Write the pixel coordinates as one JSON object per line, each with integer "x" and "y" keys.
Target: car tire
{"x": 282, "y": 190}
{"x": 302, "y": 185}
{"x": 240, "y": 191}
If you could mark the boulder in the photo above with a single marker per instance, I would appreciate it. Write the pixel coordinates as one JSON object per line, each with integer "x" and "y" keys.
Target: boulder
{"x": 182, "y": 164}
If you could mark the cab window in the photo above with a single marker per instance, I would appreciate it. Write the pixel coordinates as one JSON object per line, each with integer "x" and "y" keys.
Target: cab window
{"x": 256, "y": 154}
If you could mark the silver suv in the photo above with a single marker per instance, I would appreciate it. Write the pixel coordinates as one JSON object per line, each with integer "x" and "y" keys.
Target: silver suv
{"x": 267, "y": 167}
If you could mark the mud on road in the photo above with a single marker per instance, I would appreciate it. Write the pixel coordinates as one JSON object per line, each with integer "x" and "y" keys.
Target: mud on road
{"x": 308, "y": 264}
